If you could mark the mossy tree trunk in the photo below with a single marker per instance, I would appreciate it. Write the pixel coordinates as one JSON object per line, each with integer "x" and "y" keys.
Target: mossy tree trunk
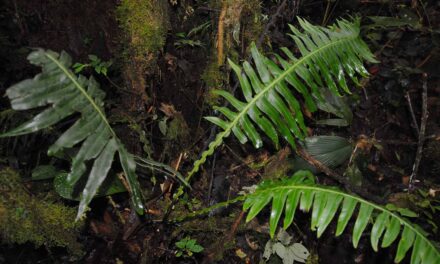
{"x": 144, "y": 25}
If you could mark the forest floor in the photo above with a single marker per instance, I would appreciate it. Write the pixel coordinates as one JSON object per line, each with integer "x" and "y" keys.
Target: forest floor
{"x": 385, "y": 126}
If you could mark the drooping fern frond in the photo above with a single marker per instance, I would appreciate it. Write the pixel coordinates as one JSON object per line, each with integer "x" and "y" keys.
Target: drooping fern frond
{"x": 300, "y": 191}
{"x": 65, "y": 94}
{"x": 271, "y": 106}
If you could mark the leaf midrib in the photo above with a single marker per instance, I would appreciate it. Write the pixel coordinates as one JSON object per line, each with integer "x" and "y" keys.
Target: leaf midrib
{"x": 361, "y": 200}
{"x": 282, "y": 77}
{"x": 227, "y": 131}
{"x": 83, "y": 91}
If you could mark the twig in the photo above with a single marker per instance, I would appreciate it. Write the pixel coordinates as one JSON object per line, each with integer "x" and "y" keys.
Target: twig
{"x": 271, "y": 23}
{"x": 395, "y": 142}
{"x": 422, "y": 132}
{"x": 244, "y": 163}
{"x": 413, "y": 116}
{"x": 344, "y": 181}
{"x": 425, "y": 60}
{"x": 211, "y": 180}
{"x": 115, "y": 207}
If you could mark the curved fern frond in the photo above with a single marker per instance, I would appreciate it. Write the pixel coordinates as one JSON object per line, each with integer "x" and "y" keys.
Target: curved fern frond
{"x": 66, "y": 94}
{"x": 300, "y": 191}
{"x": 328, "y": 55}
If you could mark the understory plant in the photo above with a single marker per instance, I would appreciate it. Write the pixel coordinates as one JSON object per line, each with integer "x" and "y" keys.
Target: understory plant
{"x": 65, "y": 94}
{"x": 272, "y": 89}
{"x": 271, "y": 108}
{"x": 301, "y": 192}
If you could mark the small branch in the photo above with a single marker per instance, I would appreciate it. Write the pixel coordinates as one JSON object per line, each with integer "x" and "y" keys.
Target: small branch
{"x": 271, "y": 23}
{"x": 413, "y": 116}
{"x": 211, "y": 178}
{"x": 422, "y": 132}
{"x": 344, "y": 181}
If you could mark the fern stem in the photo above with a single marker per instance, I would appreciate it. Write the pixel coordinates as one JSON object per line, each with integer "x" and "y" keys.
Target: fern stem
{"x": 90, "y": 99}
{"x": 209, "y": 209}
{"x": 219, "y": 139}
{"x": 361, "y": 200}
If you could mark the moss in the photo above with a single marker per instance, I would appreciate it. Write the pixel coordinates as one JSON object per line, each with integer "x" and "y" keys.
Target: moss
{"x": 252, "y": 26}
{"x": 145, "y": 25}
{"x": 24, "y": 218}
{"x": 236, "y": 29}
{"x": 214, "y": 79}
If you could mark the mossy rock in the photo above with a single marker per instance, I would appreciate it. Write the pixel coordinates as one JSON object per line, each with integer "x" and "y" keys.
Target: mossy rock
{"x": 25, "y": 218}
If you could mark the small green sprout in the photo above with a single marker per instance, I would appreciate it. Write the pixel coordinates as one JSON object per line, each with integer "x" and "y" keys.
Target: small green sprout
{"x": 100, "y": 67}
{"x": 187, "y": 247}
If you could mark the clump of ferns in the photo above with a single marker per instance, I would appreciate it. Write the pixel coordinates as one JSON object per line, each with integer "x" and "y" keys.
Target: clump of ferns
{"x": 328, "y": 55}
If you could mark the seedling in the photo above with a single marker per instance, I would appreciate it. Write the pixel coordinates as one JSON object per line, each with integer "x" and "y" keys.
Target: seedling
{"x": 100, "y": 67}
{"x": 187, "y": 247}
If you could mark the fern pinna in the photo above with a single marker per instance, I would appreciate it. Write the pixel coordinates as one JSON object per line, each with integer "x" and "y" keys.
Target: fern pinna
{"x": 300, "y": 191}
{"x": 327, "y": 56}
{"x": 66, "y": 94}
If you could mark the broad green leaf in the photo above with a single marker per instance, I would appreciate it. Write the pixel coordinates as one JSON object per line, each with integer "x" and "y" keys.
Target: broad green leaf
{"x": 129, "y": 167}
{"x": 418, "y": 250}
{"x": 405, "y": 243}
{"x": 111, "y": 185}
{"x": 391, "y": 233}
{"x": 348, "y": 206}
{"x": 100, "y": 168}
{"x": 258, "y": 204}
{"x": 318, "y": 208}
{"x": 44, "y": 172}
{"x": 63, "y": 94}
{"x": 361, "y": 222}
{"x": 291, "y": 205}
{"x": 379, "y": 226}
{"x": 306, "y": 200}
{"x": 332, "y": 204}
{"x": 277, "y": 208}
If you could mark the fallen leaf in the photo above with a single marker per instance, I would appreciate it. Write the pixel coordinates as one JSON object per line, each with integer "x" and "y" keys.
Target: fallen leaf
{"x": 240, "y": 253}
{"x": 253, "y": 245}
{"x": 167, "y": 109}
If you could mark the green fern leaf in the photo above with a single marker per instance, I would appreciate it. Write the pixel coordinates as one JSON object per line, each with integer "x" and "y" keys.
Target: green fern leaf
{"x": 66, "y": 94}
{"x": 270, "y": 106}
{"x": 324, "y": 202}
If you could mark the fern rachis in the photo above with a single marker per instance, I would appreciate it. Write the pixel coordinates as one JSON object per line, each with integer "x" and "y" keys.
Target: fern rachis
{"x": 64, "y": 94}
{"x": 300, "y": 191}
{"x": 328, "y": 54}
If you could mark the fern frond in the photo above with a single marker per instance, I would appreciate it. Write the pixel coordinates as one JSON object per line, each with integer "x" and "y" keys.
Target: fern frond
{"x": 66, "y": 94}
{"x": 328, "y": 55}
{"x": 325, "y": 202}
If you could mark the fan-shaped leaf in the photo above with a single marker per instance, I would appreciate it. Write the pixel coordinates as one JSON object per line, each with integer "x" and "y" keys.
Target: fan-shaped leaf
{"x": 332, "y": 151}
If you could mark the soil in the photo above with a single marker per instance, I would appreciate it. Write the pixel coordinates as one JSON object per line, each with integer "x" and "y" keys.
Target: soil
{"x": 381, "y": 112}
